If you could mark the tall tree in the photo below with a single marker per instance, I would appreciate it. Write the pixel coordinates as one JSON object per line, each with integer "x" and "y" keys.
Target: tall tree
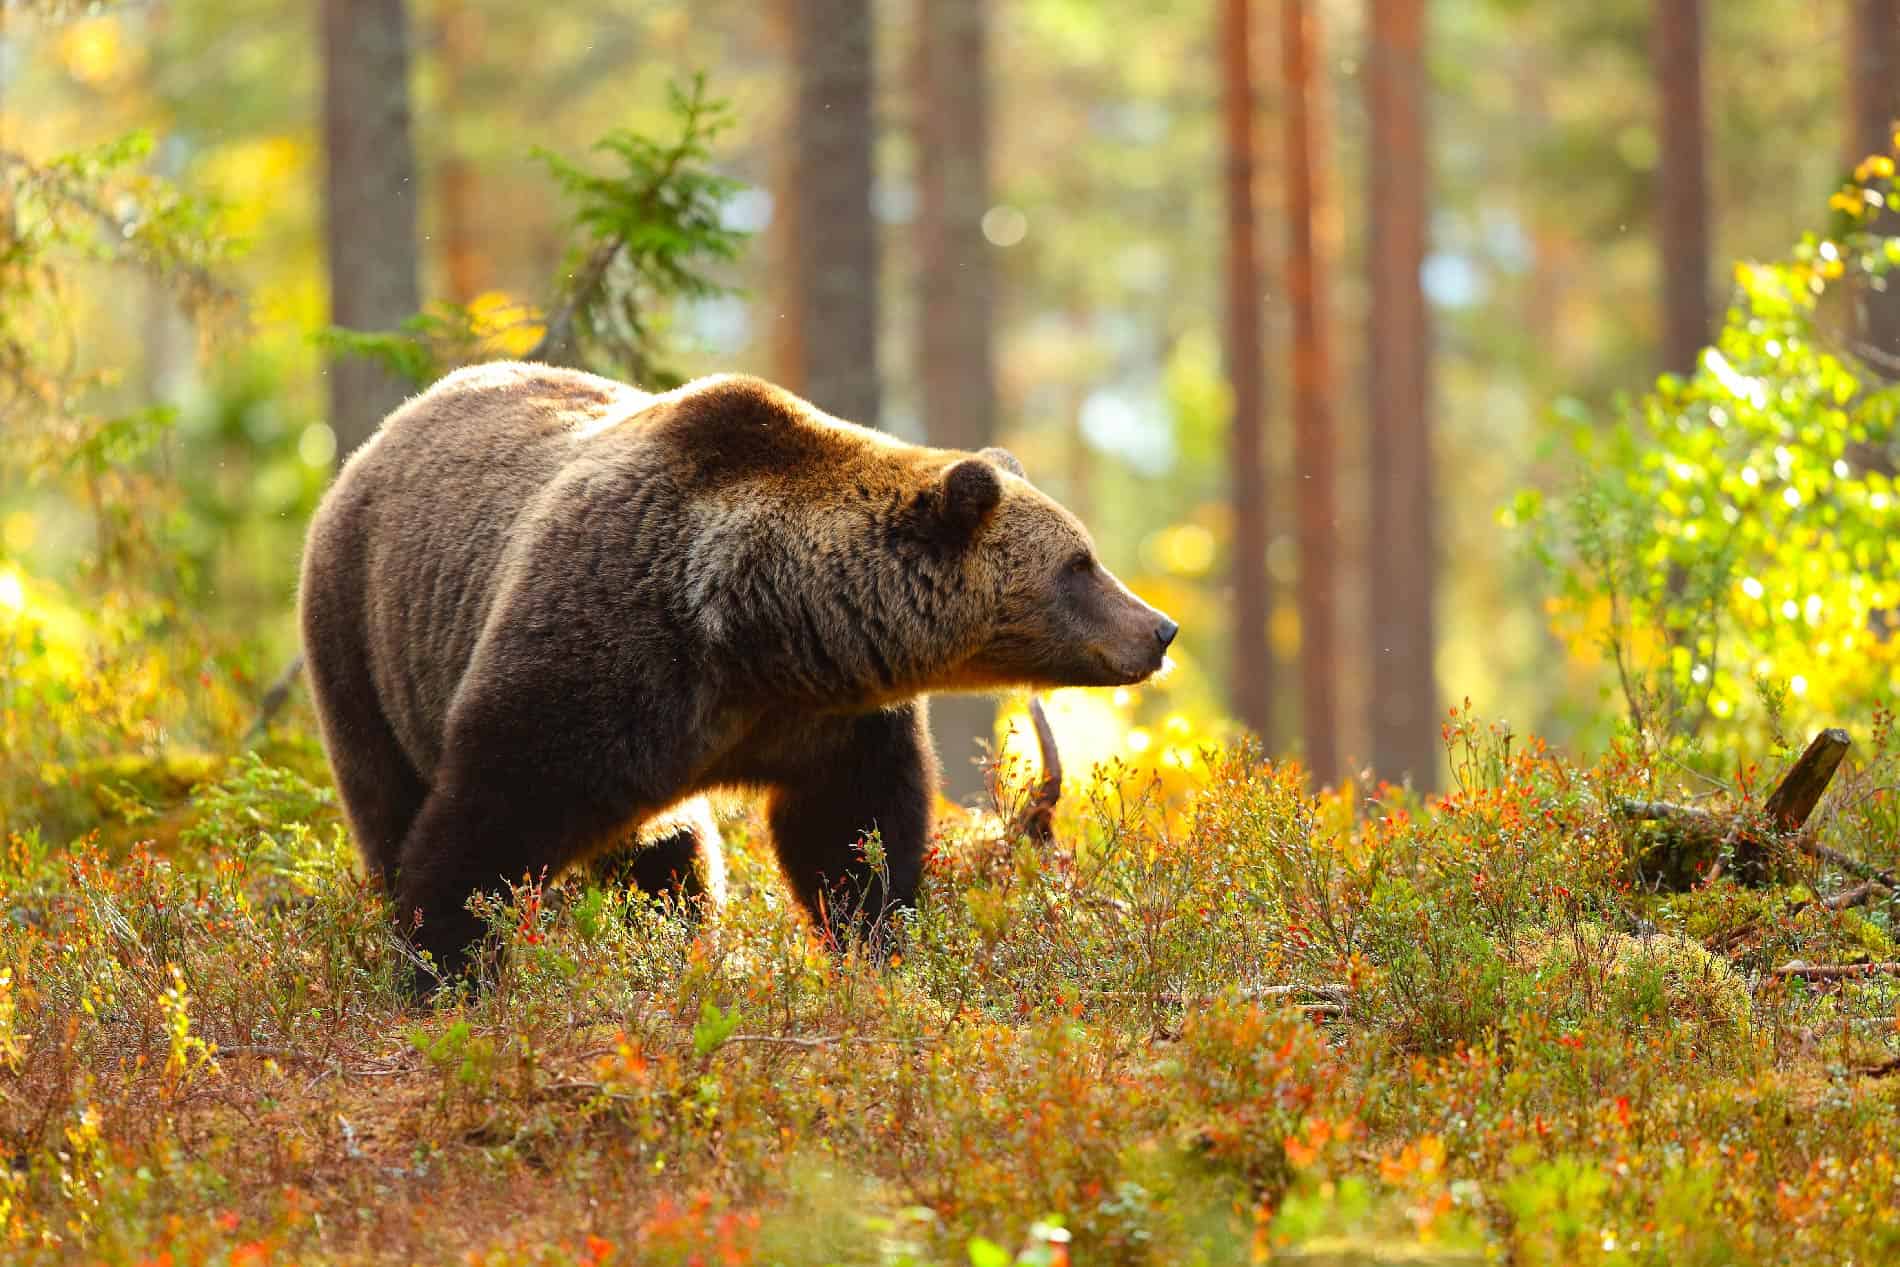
{"x": 832, "y": 265}
{"x": 1252, "y": 686}
{"x": 1873, "y": 75}
{"x": 370, "y": 199}
{"x": 956, "y": 367}
{"x": 1312, "y": 401}
{"x": 1682, "y": 185}
{"x": 1873, "y": 81}
{"x": 457, "y": 39}
{"x": 1399, "y": 459}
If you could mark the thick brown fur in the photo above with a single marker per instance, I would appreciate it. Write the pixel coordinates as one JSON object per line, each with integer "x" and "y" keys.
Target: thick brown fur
{"x": 542, "y": 609}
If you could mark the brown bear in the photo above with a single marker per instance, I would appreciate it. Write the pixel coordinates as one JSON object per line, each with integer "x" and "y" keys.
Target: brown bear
{"x": 541, "y": 609}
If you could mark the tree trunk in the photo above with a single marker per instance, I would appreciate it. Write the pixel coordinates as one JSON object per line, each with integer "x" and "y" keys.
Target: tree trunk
{"x": 1405, "y": 738}
{"x": 457, "y": 37}
{"x": 1252, "y": 683}
{"x": 1873, "y": 75}
{"x": 786, "y": 341}
{"x": 1312, "y": 407}
{"x": 833, "y": 262}
{"x": 956, "y": 371}
{"x": 1682, "y": 186}
{"x": 370, "y": 195}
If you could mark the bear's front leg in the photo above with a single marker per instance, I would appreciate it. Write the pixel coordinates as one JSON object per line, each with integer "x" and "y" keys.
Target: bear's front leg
{"x": 468, "y": 838}
{"x": 484, "y": 826}
{"x": 855, "y": 775}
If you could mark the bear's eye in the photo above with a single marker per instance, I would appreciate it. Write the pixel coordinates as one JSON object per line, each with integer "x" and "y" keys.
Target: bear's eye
{"x": 1082, "y": 562}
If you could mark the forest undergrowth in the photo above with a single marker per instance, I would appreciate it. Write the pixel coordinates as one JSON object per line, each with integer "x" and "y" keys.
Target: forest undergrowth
{"x": 1218, "y": 1019}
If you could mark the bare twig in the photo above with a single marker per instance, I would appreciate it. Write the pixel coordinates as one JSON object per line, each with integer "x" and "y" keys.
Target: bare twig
{"x": 1326, "y": 998}
{"x": 558, "y": 345}
{"x": 1856, "y": 896}
{"x": 275, "y": 697}
{"x": 1037, "y": 820}
{"x": 1806, "y": 843}
{"x": 1836, "y": 971}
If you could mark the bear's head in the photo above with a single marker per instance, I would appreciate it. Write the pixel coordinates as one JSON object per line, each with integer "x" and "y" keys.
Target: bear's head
{"x": 1057, "y": 617}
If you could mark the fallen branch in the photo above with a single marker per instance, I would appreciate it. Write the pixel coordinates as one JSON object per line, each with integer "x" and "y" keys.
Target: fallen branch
{"x": 1856, "y": 896}
{"x": 1321, "y": 999}
{"x": 1786, "y": 813}
{"x": 1846, "y": 862}
{"x": 1836, "y": 971}
{"x": 275, "y": 697}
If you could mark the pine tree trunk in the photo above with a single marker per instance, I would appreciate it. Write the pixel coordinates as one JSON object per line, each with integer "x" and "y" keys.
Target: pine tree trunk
{"x": 783, "y": 308}
{"x": 1682, "y": 186}
{"x": 956, "y": 371}
{"x": 834, "y": 249}
{"x": 1312, "y": 408}
{"x": 370, "y": 195}
{"x": 1252, "y": 681}
{"x": 1873, "y": 75}
{"x": 457, "y": 36}
{"x": 1405, "y": 726}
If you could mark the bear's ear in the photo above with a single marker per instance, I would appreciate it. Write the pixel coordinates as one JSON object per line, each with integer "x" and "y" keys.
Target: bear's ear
{"x": 970, "y": 491}
{"x": 1005, "y": 459}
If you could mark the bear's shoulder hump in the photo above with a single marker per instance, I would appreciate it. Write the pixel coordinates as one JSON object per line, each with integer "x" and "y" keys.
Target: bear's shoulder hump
{"x": 734, "y": 425}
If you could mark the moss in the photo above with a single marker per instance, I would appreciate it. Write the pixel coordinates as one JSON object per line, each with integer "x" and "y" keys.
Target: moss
{"x": 1644, "y": 983}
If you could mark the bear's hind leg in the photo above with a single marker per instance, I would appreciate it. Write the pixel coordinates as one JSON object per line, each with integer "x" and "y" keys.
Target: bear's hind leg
{"x": 380, "y": 789}
{"x": 872, "y": 772}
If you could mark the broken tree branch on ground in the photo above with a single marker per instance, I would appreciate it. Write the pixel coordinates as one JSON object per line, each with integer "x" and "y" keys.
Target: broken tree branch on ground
{"x": 1746, "y": 838}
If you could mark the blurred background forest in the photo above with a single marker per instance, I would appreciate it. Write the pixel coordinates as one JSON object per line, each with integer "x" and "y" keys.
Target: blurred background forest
{"x": 1291, "y": 300}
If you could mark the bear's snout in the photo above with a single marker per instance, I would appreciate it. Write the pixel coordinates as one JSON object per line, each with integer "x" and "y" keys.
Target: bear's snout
{"x": 1139, "y": 648}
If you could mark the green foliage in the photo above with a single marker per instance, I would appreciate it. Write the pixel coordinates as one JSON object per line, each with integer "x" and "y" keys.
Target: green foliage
{"x": 1732, "y": 541}
{"x": 647, "y": 235}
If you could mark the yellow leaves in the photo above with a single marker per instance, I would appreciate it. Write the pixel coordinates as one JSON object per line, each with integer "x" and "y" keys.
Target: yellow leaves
{"x": 12, "y": 1050}
{"x": 12, "y": 593}
{"x": 1420, "y": 1159}
{"x": 188, "y": 1055}
{"x": 1283, "y": 631}
{"x": 95, "y": 52}
{"x": 248, "y": 179}
{"x": 1848, "y": 200}
{"x": 1874, "y": 167}
{"x": 506, "y": 324}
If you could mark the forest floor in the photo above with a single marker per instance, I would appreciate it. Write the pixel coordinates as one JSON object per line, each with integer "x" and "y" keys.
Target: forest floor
{"x": 1218, "y": 1020}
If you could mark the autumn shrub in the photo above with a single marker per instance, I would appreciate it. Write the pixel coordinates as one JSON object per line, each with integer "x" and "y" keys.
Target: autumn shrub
{"x": 1262, "y": 1089}
{"x": 1726, "y": 541}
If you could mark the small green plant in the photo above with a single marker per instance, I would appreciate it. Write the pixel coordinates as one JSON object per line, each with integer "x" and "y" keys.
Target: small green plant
{"x": 648, "y": 233}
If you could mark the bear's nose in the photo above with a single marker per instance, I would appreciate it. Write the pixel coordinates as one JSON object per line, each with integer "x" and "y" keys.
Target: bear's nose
{"x": 1165, "y": 631}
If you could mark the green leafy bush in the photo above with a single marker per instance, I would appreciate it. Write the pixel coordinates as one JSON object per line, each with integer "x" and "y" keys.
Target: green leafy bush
{"x": 1731, "y": 548}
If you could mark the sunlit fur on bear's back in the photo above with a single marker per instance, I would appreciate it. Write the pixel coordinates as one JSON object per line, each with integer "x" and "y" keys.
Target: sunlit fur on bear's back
{"x": 426, "y": 517}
